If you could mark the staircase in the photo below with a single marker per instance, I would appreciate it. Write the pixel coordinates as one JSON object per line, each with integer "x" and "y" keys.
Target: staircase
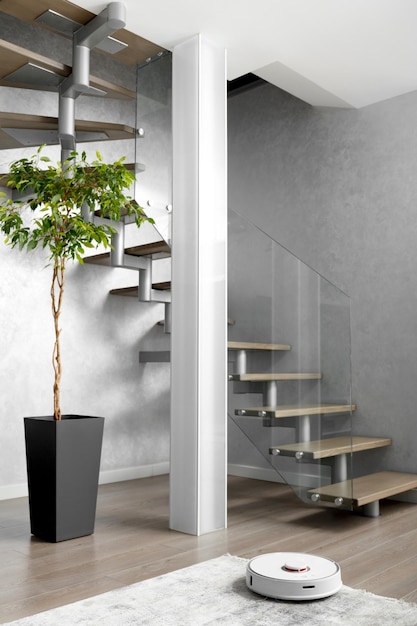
{"x": 301, "y": 420}
{"x": 364, "y": 491}
{"x": 59, "y": 78}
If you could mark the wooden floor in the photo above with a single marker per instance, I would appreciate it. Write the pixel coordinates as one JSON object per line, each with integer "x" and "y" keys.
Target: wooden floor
{"x": 132, "y": 542}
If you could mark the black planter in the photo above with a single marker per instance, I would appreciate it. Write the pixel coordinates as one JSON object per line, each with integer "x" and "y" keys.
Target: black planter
{"x": 63, "y": 463}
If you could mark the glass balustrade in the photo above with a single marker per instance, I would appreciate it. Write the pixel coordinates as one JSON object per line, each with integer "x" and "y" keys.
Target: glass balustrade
{"x": 289, "y": 399}
{"x": 154, "y": 141}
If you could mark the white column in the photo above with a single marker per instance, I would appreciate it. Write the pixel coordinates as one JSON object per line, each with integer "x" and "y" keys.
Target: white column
{"x": 199, "y": 273}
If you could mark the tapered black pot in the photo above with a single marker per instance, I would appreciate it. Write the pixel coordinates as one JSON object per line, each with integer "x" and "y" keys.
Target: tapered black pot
{"x": 63, "y": 463}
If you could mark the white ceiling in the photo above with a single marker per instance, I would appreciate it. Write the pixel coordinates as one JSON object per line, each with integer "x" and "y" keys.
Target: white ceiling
{"x": 347, "y": 53}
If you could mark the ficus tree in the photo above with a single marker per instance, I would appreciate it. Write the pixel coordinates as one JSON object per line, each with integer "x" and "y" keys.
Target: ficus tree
{"x": 51, "y": 217}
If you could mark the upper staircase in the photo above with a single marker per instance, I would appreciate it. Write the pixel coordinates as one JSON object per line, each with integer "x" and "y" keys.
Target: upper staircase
{"x": 55, "y": 71}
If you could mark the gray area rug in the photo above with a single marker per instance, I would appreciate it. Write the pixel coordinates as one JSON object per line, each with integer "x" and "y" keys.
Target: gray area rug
{"x": 215, "y": 592}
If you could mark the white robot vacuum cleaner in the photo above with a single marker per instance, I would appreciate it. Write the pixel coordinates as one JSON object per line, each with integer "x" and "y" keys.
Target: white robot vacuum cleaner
{"x": 293, "y": 576}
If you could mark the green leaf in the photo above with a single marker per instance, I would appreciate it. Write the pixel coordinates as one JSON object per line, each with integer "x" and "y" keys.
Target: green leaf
{"x": 55, "y": 221}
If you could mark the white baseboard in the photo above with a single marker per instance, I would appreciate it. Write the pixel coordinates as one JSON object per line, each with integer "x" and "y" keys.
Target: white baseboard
{"x": 9, "y": 492}
{"x": 257, "y": 473}
{"x": 131, "y": 473}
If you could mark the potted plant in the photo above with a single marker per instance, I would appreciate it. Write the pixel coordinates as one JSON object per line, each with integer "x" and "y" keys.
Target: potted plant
{"x": 63, "y": 450}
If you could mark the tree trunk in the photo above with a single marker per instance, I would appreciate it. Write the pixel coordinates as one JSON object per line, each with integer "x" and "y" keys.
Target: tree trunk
{"x": 57, "y": 292}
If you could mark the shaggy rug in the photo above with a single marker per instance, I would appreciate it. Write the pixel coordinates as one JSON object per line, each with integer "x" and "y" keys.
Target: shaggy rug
{"x": 215, "y": 593}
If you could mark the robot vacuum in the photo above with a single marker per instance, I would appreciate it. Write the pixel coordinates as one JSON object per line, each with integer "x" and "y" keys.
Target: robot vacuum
{"x": 293, "y": 576}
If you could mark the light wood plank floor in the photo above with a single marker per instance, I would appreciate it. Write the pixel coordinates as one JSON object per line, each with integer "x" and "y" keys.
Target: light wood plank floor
{"x": 132, "y": 542}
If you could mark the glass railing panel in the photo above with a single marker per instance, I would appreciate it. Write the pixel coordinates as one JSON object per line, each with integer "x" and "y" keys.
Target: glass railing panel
{"x": 292, "y": 405}
{"x": 153, "y": 190}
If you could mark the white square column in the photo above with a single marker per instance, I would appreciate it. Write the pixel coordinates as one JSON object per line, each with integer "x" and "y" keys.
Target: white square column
{"x": 198, "y": 497}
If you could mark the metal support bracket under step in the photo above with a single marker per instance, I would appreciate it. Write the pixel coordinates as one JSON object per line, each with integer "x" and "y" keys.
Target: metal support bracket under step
{"x": 371, "y": 509}
{"x": 241, "y": 362}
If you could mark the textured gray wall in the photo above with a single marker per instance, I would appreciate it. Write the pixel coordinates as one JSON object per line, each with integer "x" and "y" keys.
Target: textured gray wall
{"x": 338, "y": 188}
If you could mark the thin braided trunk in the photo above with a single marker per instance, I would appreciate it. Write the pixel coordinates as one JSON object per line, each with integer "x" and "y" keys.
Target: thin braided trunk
{"x": 57, "y": 292}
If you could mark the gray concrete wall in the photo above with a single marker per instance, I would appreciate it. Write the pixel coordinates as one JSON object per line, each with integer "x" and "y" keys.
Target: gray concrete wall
{"x": 338, "y": 188}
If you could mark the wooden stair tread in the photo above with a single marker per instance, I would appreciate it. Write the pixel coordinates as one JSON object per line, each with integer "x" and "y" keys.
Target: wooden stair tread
{"x": 333, "y": 446}
{"x": 133, "y": 292}
{"x": 156, "y": 247}
{"x": 163, "y": 286}
{"x": 255, "y": 345}
{"x": 294, "y": 410}
{"x": 14, "y": 57}
{"x": 366, "y": 489}
{"x": 98, "y": 259}
{"x": 30, "y": 123}
{"x": 265, "y": 377}
{"x": 147, "y": 249}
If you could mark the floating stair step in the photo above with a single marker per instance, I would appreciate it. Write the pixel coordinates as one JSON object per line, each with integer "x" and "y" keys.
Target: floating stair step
{"x": 265, "y": 377}
{"x": 98, "y": 259}
{"x": 254, "y": 345}
{"x": 156, "y": 249}
{"x": 150, "y": 249}
{"x": 293, "y": 410}
{"x": 366, "y": 489}
{"x": 29, "y": 70}
{"x": 334, "y": 446}
{"x": 133, "y": 292}
{"x": 163, "y": 286}
{"x": 19, "y": 130}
